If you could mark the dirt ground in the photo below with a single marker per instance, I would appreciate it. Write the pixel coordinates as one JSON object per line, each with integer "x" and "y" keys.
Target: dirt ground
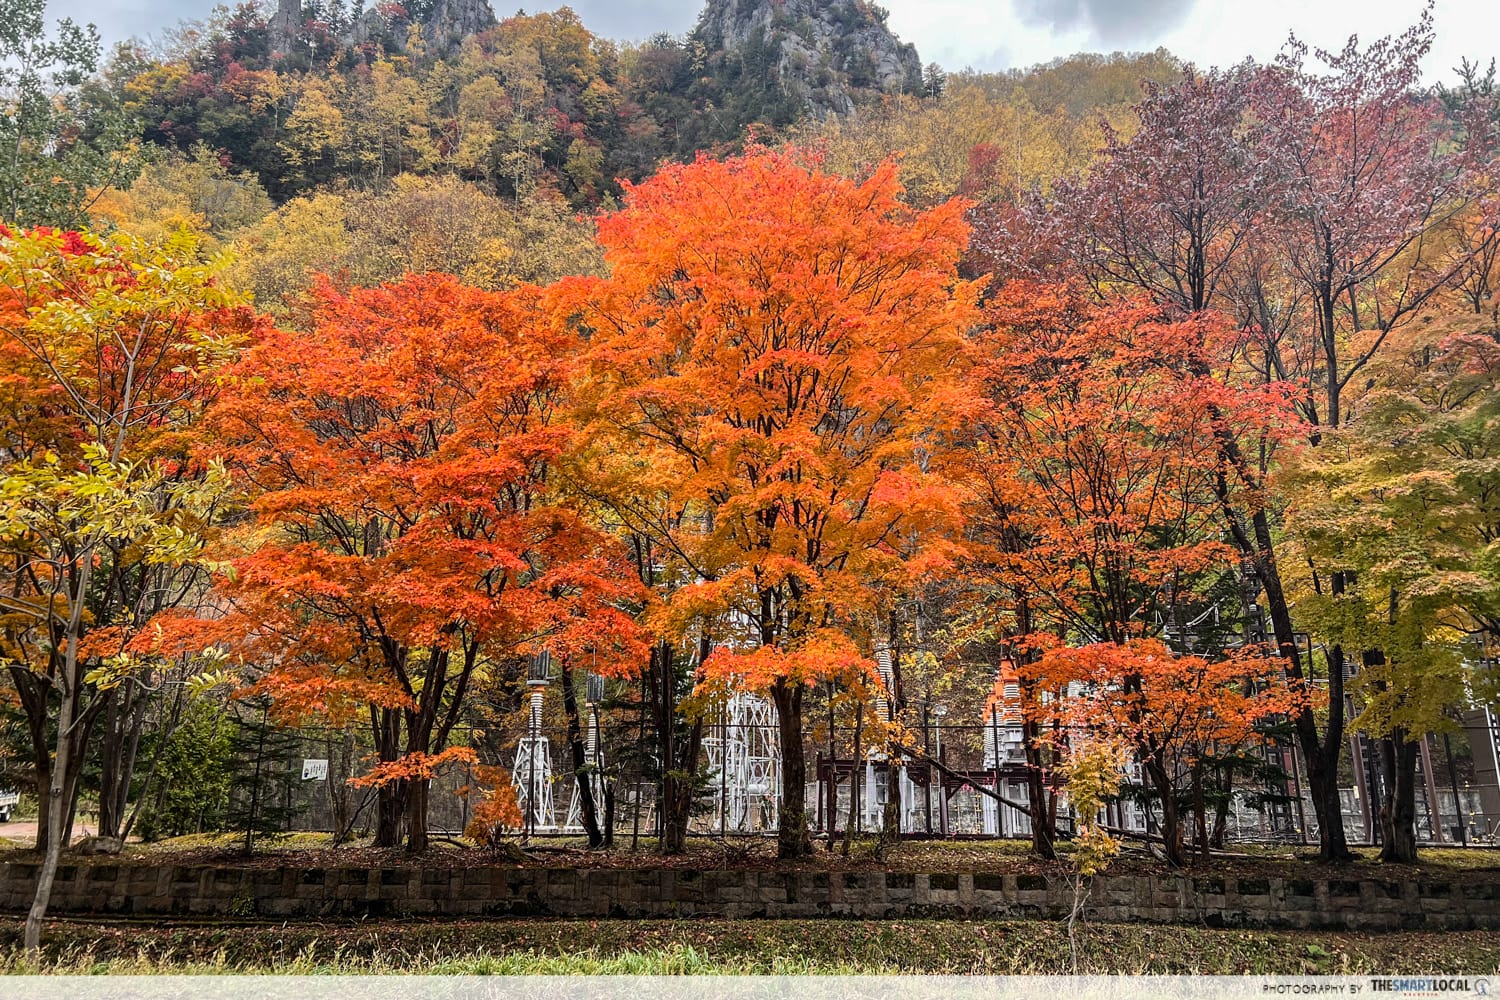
{"x": 312, "y": 851}
{"x": 25, "y": 830}
{"x": 19, "y": 830}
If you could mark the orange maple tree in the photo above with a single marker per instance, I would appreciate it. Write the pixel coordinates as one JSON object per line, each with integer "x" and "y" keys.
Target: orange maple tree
{"x": 495, "y": 811}
{"x": 1175, "y": 711}
{"x": 1094, "y": 464}
{"x": 1095, "y": 478}
{"x": 405, "y": 536}
{"x": 766, "y": 356}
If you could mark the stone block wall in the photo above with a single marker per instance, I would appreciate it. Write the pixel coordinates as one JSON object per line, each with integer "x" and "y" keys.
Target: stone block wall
{"x": 294, "y": 893}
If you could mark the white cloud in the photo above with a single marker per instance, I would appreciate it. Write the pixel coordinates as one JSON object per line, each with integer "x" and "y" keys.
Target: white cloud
{"x": 994, "y": 34}
{"x": 1112, "y": 23}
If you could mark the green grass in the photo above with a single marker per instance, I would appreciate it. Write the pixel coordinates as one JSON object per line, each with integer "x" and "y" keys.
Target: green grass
{"x": 684, "y": 961}
{"x": 225, "y": 842}
{"x": 234, "y": 841}
{"x": 1452, "y": 859}
{"x": 746, "y": 947}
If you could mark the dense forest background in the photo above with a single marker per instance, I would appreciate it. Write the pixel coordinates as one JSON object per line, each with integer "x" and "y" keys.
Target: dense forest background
{"x": 365, "y": 144}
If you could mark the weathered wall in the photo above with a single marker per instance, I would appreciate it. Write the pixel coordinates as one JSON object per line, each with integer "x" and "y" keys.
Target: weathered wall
{"x": 1367, "y": 904}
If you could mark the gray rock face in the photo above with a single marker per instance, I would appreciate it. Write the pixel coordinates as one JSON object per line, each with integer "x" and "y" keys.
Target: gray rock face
{"x": 369, "y": 26}
{"x": 99, "y": 845}
{"x": 285, "y": 24}
{"x": 451, "y": 21}
{"x": 445, "y": 24}
{"x": 826, "y": 51}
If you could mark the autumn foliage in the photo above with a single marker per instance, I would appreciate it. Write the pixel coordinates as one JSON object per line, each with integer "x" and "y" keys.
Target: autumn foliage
{"x": 1174, "y": 712}
{"x": 494, "y": 812}
{"x": 1094, "y": 473}
{"x": 1185, "y": 417}
{"x": 405, "y": 539}
{"x": 768, "y": 350}
{"x": 110, "y": 351}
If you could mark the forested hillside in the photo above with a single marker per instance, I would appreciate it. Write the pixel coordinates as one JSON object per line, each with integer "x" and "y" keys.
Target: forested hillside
{"x": 538, "y": 102}
{"x": 531, "y": 101}
{"x": 368, "y": 142}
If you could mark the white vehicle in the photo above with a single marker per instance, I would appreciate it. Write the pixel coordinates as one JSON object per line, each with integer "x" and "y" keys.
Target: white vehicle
{"x": 8, "y": 802}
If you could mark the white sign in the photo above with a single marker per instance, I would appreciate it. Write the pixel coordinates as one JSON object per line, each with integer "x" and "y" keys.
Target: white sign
{"x": 315, "y": 770}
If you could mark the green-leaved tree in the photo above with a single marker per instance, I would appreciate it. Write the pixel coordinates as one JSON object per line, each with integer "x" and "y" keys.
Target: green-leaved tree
{"x": 57, "y": 151}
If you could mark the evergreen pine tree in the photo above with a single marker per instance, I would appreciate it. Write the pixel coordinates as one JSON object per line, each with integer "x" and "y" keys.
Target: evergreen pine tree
{"x": 263, "y": 755}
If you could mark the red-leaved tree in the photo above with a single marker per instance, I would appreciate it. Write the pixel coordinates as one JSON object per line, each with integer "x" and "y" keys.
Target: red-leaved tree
{"x": 405, "y": 537}
{"x": 1095, "y": 476}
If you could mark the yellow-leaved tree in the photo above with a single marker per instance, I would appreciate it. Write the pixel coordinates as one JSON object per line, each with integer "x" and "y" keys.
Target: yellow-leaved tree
{"x": 109, "y": 350}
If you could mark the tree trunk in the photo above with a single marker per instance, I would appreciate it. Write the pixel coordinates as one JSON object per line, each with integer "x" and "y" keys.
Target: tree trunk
{"x": 54, "y": 822}
{"x": 890, "y": 821}
{"x": 34, "y": 694}
{"x": 59, "y": 801}
{"x": 1258, "y": 545}
{"x": 1043, "y": 813}
{"x": 1043, "y": 832}
{"x": 1171, "y": 820}
{"x": 890, "y": 818}
{"x": 72, "y": 737}
{"x": 417, "y": 790}
{"x": 1200, "y": 813}
{"x": 111, "y": 809}
{"x": 679, "y": 763}
{"x": 390, "y": 812}
{"x": 1221, "y": 809}
{"x": 70, "y": 783}
{"x": 609, "y": 815}
{"x": 174, "y": 719}
{"x": 338, "y": 781}
{"x": 124, "y": 719}
{"x": 677, "y": 803}
{"x": 1320, "y": 756}
{"x": 1398, "y": 813}
{"x": 853, "y": 821}
{"x": 43, "y": 806}
{"x": 390, "y": 798}
{"x": 792, "y": 837}
{"x": 413, "y": 797}
{"x": 582, "y": 780}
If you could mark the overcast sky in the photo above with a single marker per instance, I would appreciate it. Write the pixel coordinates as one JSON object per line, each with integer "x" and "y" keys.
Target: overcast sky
{"x": 996, "y": 34}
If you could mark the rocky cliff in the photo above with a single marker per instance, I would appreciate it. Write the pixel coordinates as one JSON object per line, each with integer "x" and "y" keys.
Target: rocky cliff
{"x": 444, "y": 23}
{"x": 821, "y": 54}
{"x": 449, "y": 22}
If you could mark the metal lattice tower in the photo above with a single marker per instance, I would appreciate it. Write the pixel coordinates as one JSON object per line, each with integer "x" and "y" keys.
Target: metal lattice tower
{"x": 532, "y": 776}
{"x": 1003, "y": 743}
{"x": 1002, "y": 720}
{"x": 593, "y": 755}
{"x": 876, "y": 790}
{"x": 887, "y": 680}
{"x": 744, "y": 764}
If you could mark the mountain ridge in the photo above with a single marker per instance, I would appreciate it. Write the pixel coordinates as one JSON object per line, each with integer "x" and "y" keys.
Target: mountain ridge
{"x": 824, "y": 54}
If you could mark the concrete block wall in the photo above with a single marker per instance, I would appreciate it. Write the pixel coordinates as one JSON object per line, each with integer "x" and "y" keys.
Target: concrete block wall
{"x": 1368, "y": 904}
